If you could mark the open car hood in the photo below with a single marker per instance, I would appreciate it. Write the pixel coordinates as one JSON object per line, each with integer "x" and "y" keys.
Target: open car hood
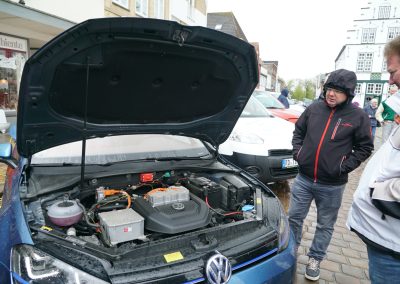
{"x": 133, "y": 75}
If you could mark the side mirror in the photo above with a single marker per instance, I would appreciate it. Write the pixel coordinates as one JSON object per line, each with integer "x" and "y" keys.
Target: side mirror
{"x": 5, "y": 155}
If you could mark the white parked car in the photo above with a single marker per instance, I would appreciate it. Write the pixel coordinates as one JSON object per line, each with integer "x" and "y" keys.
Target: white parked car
{"x": 260, "y": 143}
{"x": 297, "y": 107}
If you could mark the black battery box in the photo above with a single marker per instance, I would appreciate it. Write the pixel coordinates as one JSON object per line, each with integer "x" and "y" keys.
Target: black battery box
{"x": 234, "y": 192}
{"x": 202, "y": 187}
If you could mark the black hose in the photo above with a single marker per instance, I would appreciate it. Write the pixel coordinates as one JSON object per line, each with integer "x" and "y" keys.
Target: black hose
{"x": 85, "y": 215}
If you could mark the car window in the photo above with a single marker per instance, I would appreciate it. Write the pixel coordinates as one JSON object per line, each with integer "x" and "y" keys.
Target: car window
{"x": 123, "y": 148}
{"x": 254, "y": 108}
{"x": 268, "y": 100}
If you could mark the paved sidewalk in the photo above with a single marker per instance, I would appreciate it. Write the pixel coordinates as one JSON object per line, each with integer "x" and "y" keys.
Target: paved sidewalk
{"x": 347, "y": 259}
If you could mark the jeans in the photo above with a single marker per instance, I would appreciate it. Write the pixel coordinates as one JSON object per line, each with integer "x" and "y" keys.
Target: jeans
{"x": 373, "y": 130}
{"x": 328, "y": 199}
{"x": 387, "y": 128}
{"x": 383, "y": 267}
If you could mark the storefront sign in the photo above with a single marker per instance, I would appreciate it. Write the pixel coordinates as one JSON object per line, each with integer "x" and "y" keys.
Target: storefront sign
{"x": 14, "y": 43}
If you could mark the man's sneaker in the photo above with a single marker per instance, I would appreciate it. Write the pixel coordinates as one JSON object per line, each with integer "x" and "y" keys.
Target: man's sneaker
{"x": 312, "y": 269}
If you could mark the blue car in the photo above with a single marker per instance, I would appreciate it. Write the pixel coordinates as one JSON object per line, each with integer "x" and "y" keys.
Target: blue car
{"x": 116, "y": 176}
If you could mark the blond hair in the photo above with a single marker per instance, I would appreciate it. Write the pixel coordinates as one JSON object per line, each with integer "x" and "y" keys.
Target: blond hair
{"x": 392, "y": 47}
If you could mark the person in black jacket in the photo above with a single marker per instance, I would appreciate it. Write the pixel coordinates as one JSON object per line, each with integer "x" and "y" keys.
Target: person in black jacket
{"x": 283, "y": 97}
{"x": 331, "y": 138}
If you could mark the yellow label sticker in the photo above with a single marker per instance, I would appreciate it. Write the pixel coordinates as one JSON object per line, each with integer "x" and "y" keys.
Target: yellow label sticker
{"x": 45, "y": 228}
{"x": 173, "y": 256}
{"x": 258, "y": 201}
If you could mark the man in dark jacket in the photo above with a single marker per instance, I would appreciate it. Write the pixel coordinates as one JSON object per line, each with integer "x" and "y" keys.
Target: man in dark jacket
{"x": 283, "y": 97}
{"x": 331, "y": 138}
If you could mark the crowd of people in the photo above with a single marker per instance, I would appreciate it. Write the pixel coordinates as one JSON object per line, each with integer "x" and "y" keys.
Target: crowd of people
{"x": 332, "y": 138}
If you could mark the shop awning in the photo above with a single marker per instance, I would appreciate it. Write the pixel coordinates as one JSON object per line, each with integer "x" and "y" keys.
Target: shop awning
{"x": 36, "y": 26}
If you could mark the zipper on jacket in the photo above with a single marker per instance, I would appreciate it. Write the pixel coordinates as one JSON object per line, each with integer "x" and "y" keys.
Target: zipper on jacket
{"x": 340, "y": 165}
{"x": 298, "y": 153}
{"x": 336, "y": 128}
{"x": 320, "y": 144}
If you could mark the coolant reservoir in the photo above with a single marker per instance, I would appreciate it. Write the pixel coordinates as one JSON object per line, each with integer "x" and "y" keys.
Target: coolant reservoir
{"x": 65, "y": 213}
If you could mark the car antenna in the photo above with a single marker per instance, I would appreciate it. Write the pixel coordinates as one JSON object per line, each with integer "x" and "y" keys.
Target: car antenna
{"x": 83, "y": 158}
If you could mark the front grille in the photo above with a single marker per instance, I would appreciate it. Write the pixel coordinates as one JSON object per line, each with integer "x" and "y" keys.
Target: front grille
{"x": 280, "y": 152}
{"x": 253, "y": 170}
{"x": 275, "y": 172}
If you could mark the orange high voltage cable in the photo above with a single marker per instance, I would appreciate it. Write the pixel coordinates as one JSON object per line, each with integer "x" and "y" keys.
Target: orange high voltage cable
{"x": 109, "y": 192}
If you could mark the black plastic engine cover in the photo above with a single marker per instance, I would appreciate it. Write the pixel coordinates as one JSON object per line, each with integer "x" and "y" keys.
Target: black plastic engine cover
{"x": 172, "y": 218}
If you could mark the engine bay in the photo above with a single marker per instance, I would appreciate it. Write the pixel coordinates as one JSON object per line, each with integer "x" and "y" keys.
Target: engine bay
{"x": 135, "y": 208}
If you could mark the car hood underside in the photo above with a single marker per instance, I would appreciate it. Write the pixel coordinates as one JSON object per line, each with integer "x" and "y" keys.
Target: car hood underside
{"x": 115, "y": 76}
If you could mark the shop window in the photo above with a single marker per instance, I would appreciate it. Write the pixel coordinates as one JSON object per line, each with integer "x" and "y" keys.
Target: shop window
{"x": 159, "y": 9}
{"x": 13, "y": 55}
{"x": 191, "y": 5}
{"x": 141, "y": 7}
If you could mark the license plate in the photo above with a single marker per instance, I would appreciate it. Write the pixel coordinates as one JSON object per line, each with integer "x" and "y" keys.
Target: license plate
{"x": 288, "y": 163}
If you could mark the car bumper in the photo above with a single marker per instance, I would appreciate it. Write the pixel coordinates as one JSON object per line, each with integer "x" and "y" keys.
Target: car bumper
{"x": 265, "y": 168}
{"x": 278, "y": 269}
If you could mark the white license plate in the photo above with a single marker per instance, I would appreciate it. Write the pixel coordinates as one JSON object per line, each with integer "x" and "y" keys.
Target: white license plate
{"x": 288, "y": 163}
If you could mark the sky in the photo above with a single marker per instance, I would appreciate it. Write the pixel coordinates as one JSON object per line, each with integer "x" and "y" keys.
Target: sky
{"x": 305, "y": 36}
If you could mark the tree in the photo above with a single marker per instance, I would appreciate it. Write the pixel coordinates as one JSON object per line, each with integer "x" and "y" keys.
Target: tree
{"x": 298, "y": 93}
{"x": 291, "y": 85}
{"x": 309, "y": 89}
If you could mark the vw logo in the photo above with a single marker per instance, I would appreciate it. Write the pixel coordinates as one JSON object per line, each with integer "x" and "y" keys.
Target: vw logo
{"x": 218, "y": 269}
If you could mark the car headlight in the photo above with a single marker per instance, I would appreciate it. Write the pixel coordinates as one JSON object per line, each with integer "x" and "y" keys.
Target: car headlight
{"x": 34, "y": 265}
{"x": 247, "y": 138}
{"x": 284, "y": 232}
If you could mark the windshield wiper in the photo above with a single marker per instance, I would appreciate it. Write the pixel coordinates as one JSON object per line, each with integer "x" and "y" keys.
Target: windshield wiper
{"x": 149, "y": 159}
{"x": 182, "y": 158}
{"x": 159, "y": 159}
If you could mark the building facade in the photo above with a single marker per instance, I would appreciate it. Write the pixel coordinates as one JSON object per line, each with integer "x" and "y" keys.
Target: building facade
{"x": 272, "y": 69}
{"x": 378, "y": 23}
{"x": 27, "y": 25}
{"x": 186, "y": 12}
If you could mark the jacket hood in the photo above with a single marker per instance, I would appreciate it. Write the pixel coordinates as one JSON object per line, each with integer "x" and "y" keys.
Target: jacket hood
{"x": 285, "y": 92}
{"x": 342, "y": 80}
{"x": 118, "y": 76}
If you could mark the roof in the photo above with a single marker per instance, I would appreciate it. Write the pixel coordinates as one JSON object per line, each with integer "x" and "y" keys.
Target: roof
{"x": 225, "y": 22}
{"x": 340, "y": 53}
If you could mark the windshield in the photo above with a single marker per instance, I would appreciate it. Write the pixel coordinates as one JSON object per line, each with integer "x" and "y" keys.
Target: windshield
{"x": 124, "y": 148}
{"x": 267, "y": 100}
{"x": 254, "y": 108}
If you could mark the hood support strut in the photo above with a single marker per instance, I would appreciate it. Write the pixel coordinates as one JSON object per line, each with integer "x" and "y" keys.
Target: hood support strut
{"x": 84, "y": 130}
